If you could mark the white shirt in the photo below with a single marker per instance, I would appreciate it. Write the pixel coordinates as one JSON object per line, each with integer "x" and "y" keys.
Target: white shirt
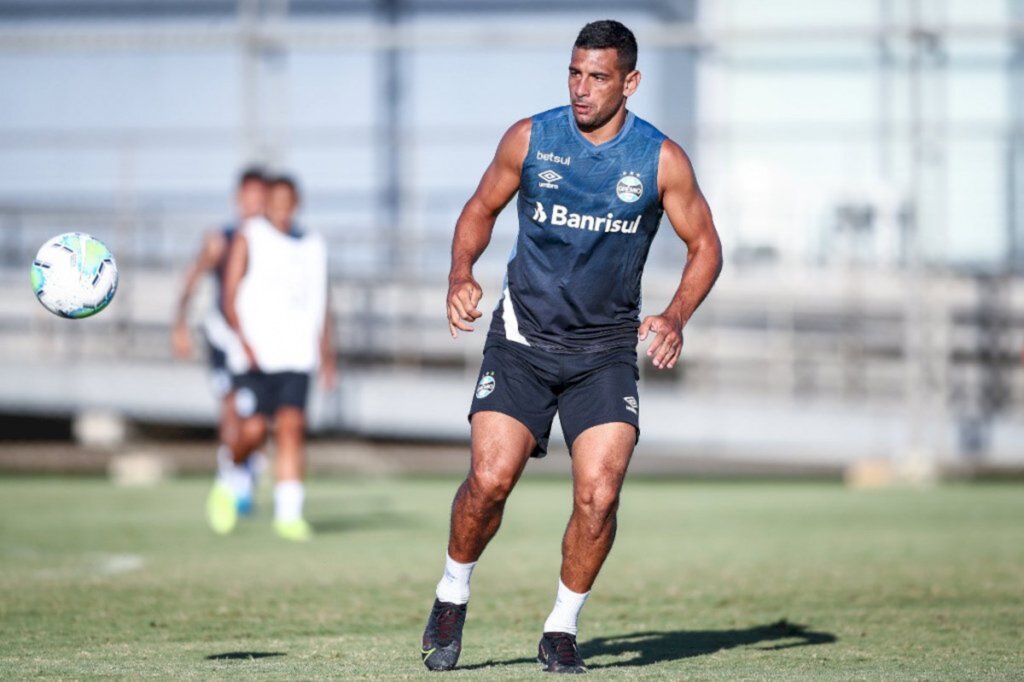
{"x": 282, "y": 299}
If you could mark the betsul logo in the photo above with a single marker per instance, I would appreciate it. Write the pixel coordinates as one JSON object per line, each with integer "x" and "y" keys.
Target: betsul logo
{"x": 629, "y": 188}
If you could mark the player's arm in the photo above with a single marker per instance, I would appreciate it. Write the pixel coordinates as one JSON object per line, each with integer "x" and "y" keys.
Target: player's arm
{"x": 209, "y": 254}
{"x": 498, "y": 185}
{"x": 690, "y": 216}
{"x": 328, "y": 364}
{"x": 234, "y": 270}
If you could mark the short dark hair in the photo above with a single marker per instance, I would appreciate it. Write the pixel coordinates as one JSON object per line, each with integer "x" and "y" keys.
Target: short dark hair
{"x": 287, "y": 181}
{"x": 252, "y": 174}
{"x": 608, "y": 33}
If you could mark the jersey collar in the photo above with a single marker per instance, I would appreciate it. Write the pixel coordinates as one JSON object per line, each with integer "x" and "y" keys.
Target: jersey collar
{"x": 626, "y": 127}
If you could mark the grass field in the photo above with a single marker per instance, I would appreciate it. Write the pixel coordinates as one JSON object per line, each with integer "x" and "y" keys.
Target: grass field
{"x": 707, "y": 581}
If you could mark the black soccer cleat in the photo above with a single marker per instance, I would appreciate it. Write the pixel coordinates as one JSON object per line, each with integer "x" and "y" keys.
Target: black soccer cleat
{"x": 442, "y": 639}
{"x": 558, "y": 653}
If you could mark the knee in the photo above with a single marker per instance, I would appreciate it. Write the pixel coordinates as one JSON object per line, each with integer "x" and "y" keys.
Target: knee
{"x": 251, "y": 433}
{"x": 597, "y": 502}
{"x": 489, "y": 486}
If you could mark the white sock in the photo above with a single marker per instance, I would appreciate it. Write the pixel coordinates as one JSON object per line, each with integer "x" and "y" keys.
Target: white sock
{"x": 454, "y": 585}
{"x": 566, "y": 613}
{"x": 288, "y": 499}
{"x": 233, "y": 475}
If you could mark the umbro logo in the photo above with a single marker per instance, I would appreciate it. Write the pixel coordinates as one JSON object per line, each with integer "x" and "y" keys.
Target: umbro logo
{"x": 549, "y": 177}
{"x": 631, "y": 404}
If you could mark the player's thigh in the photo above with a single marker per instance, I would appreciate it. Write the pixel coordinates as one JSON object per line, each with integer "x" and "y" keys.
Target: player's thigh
{"x": 290, "y": 422}
{"x": 600, "y": 458}
{"x": 501, "y": 447}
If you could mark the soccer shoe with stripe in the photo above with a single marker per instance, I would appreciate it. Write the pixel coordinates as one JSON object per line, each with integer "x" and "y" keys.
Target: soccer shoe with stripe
{"x": 296, "y": 530}
{"x": 558, "y": 653}
{"x": 442, "y": 638}
{"x": 221, "y": 509}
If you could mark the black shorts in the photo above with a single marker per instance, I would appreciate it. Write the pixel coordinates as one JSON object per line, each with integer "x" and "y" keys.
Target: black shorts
{"x": 266, "y": 392}
{"x": 530, "y": 385}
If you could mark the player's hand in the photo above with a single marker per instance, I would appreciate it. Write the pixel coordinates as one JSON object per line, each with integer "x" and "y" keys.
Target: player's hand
{"x": 181, "y": 341}
{"x": 463, "y": 296}
{"x": 664, "y": 350}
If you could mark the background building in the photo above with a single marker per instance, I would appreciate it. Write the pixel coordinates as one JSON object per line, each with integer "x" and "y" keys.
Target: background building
{"x": 864, "y": 162}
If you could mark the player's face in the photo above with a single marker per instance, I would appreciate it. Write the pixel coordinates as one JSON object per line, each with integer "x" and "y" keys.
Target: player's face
{"x": 281, "y": 205}
{"x": 252, "y": 198}
{"x": 598, "y": 87}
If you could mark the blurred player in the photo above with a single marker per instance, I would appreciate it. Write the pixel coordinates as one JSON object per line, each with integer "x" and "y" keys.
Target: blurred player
{"x": 275, "y": 300}
{"x": 250, "y": 200}
{"x": 593, "y": 181}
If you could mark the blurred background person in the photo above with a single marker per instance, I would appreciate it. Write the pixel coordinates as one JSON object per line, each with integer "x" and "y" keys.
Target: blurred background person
{"x": 275, "y": 300}
{"x": 250, "y": 201}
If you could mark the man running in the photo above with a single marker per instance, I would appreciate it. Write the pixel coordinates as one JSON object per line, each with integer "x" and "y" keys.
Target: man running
{"x": 593, "y": 181}
{"x": 275, "y": 300}
{"x": 250, "y": 200}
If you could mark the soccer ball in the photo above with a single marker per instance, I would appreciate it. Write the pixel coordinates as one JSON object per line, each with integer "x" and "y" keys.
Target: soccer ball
{"x": 74, "y": 275}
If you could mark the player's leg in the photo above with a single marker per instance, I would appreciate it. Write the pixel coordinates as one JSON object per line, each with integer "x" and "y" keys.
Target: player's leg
{"x": 291, "y": 390}
{"x": 289, "y": 491}
{"x": 229, "y": 424}
{"x": 501, "y": 446}
{"x": 600, "y": 456}
{"x": 249, "y": 462}
{"x": 234, "y": 483}
{"x": 600, "y": 417}
{"x": 510, "y": 419}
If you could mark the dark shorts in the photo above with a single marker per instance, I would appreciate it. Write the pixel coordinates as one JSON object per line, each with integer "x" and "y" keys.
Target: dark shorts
{"x": 265, "y": 393}
{"x": 220, "y": 377}
{"x": 530, "y": 385}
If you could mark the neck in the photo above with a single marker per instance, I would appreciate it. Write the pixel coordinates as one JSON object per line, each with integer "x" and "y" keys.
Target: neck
{"x": 606, "y": 130}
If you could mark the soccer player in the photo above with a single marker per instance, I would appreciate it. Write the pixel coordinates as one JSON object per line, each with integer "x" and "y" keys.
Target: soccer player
{"x": 275, "y": 300}
{"x": 593, "y": 181}
{"x": 250, "y": 200}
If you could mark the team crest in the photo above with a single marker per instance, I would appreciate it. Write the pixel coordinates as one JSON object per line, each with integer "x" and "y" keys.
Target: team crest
{"x": 629, "y": 188}
{"x": 486, "y": 386}
{"x": 631, "y": 404}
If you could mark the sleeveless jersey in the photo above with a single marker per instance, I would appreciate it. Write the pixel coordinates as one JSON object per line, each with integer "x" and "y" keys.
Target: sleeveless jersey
{"x": 587, "y": 216}
{"x": 282, "y": 299}
{"x": 228, "y": 232}
{"x": 218, "y": 333}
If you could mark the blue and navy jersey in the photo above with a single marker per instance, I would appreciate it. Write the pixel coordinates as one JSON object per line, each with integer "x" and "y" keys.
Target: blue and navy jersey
{"x": 229, "y": 231}
{"x": 587, "y": 216}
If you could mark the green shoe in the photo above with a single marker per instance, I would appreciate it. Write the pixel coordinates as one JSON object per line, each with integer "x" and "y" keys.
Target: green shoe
{"x": 298, "y": 530}
{"x": 221, "y": 509}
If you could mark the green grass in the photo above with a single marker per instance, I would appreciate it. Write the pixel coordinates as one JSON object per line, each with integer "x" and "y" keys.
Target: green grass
{"x": 707, "y": 581}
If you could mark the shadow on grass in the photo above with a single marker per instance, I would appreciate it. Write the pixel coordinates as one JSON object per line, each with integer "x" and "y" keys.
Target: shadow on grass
{"x": 243, "y": 655}
{"x": 365, "y": 521}
{"x": 647, "y": 648}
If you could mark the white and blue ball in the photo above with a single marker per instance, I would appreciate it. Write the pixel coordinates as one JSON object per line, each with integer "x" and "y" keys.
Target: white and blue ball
{"x": 74, "y": 275}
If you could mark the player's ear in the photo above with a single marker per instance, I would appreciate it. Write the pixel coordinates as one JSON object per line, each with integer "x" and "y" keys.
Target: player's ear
{"x": 631, "y": 83}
